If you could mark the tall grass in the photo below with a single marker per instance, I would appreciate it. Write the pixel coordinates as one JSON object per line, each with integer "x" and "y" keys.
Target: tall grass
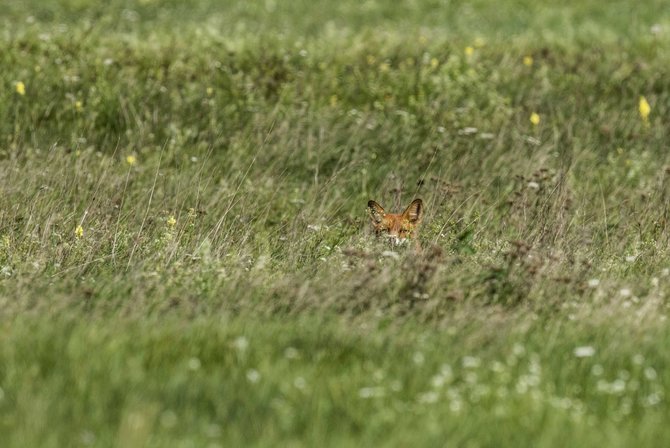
{"x": 184, "y": 252}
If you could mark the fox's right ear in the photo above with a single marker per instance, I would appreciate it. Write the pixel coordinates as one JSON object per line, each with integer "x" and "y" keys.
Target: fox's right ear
{"x": 414, "y": 212}
{"x": 376, "y": 212}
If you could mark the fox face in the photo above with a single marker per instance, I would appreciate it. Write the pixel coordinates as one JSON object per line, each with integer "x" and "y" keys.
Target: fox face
{"x": 397, "y": 227}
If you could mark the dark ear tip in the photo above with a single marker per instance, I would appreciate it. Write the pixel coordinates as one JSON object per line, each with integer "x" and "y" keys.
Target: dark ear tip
{"x": 371, "y": 203}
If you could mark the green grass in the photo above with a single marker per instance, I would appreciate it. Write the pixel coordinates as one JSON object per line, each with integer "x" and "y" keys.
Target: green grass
{"x": 226, "y": 290}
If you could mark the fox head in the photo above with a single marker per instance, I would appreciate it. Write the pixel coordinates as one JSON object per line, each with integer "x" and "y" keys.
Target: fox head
{"x": 397, "y": 227}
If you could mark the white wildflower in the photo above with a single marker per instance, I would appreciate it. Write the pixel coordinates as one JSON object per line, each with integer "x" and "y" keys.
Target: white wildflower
{"x": 585, "y": 351}
{"x": 418, "y": 358}
{"x": 291, "y": 353}
{"x": 241, "y": 344}
{"x": 593, "y": 283}
{"x": 471, "y": 362}
{"x": 253, "y": 375}
{"x": 428, "y": 397}
{"x": 194, "y": 364}
{"x": 467, "y": 131}
{"x": 370, "y": 392}
{"x": 650, "y": 373}
{"x": 391, "y": 254}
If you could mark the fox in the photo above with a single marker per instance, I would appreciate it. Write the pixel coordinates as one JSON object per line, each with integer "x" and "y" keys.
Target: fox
{"x": 397, "y": 227}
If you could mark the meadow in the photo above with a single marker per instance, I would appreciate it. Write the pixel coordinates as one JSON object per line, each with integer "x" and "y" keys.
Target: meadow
{"x": 185, "y": 254}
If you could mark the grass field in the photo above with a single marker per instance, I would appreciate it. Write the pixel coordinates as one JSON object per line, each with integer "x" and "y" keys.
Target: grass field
{"x": 185, "y": 255}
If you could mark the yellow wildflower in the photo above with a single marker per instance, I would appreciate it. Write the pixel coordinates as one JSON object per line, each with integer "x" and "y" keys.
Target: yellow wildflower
{"x": 434, "y": 63}
{"x": 384, "y": 67}
{"x": 20, "y": 88}
{"x": 535, "y": 119}
{"x": 78, "y": 106}
{"x": 528, "y": 61}
{"x": 469, "y": 51}
{"x": 210, "y": 91}
{"x": 645, "y": 109}
{"x": 79, "y": 231}
{"x": 171, "y": 221}
{"x": 131, "y": 160}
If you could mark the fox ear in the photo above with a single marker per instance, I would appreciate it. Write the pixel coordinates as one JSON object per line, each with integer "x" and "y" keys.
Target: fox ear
{"x": 414, "y": 212}
{"x": 376, "y": 212}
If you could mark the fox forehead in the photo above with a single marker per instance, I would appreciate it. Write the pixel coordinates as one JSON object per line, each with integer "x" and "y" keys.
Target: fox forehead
{"x": 395, "y": 220}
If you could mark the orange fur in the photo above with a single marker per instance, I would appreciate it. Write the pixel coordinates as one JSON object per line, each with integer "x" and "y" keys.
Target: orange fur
{"x": 398, "y": 227}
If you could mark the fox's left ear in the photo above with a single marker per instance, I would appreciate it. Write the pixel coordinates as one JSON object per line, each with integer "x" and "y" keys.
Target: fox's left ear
{"x": 414, "y": 212}
{"x": 376, "y": 212}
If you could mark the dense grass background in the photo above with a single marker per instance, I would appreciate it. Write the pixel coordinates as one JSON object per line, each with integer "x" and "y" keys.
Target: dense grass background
{"x": 223, "y": 287}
